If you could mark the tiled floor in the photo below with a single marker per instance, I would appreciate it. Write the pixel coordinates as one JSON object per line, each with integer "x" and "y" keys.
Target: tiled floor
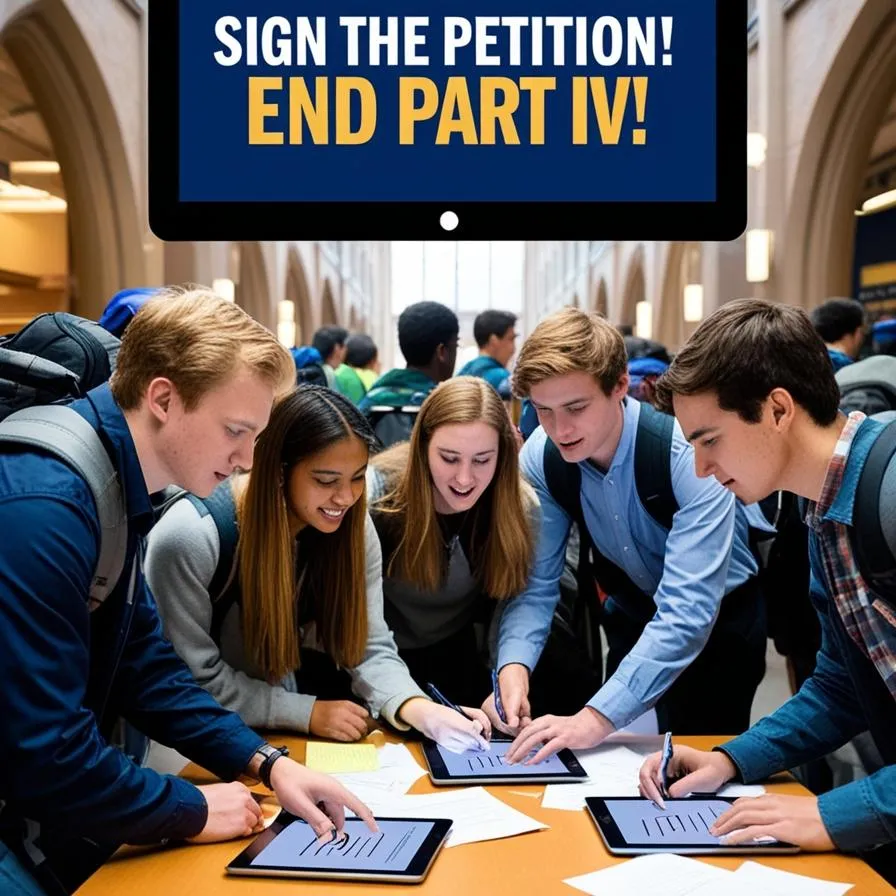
{"x": 773, "y": 691}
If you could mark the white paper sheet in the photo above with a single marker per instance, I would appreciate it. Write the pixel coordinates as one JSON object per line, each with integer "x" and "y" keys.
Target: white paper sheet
{"x": 663, "y": 874}
{"x": 477, "y": 815}
{"x": 766, "y": 880}
{"x": 397, "y": 772}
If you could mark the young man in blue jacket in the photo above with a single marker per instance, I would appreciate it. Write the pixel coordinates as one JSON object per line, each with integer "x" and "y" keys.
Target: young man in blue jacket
{"x": 195, "y": 382}
{"x": 755, "y": 394}
{"x": 684, "y": 616}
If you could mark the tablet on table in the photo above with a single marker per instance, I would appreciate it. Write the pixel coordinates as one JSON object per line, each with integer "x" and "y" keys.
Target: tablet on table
{"x": 634, "y": 826}
{"x": 401, "y": 852}
{"x": 489, "y": 767}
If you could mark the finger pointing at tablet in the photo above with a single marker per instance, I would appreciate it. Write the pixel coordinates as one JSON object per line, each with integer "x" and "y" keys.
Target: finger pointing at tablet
{"x": 319, "y": 799}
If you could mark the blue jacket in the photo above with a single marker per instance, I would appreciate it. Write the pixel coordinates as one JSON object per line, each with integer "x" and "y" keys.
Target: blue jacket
{"x": 67, "y": 674}
{"x": 843, "y": 697}
{"x": 487, "y": 368}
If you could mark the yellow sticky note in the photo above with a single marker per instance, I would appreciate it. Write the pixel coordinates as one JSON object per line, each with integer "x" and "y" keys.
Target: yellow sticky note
{"x": 324, "y": 757}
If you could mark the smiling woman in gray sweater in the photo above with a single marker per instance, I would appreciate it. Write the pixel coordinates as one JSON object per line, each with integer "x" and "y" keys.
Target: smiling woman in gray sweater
{"x": 301, "y": 616}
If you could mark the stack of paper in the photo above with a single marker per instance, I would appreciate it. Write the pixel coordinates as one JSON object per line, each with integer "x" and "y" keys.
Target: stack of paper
{"x": 476, "y": 814}
{"x": 666, "y": 874}
{"x": 397, "y": 771}
{"x": 612, "y": 770}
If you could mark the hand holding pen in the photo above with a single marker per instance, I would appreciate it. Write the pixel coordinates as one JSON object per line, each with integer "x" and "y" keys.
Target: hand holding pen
{"x": 684, "y": 770}
{"x": 508, "y": 704}
{"x": 441, "y": 721}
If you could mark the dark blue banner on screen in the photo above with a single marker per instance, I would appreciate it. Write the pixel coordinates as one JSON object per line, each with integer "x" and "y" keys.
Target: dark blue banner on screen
{"x": 594, "y": 107}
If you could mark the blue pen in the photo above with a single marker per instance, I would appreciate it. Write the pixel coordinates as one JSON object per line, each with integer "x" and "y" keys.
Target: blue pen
{"x": 496, "y": 688}
{"x": 664, "y": 762}
{"x": 439, "y": 697}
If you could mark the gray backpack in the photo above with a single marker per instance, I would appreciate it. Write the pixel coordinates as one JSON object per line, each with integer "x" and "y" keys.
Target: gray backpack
{"x": 64, "y": 433}
{"x": 868, "y": 385}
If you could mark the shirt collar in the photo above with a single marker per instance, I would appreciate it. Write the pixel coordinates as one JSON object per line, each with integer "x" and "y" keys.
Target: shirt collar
{"x": 631, "y": 409}
{"x": 838, "y": 492}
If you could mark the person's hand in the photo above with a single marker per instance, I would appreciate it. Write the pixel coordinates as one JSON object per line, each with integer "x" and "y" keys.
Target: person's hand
{"x": 587, "y": 728}
{"x": 232, "y": 812}
{"x": 338, "y": 720}
{"x": 697, "y": 771}
{"x": 793, "y": 819}
{"x": 319, "y": 799}
{"x": 513, "y": 682}
{"x": 446, "y": 726}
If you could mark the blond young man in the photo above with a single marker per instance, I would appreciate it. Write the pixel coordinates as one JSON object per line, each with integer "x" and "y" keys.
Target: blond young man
{"x": 195, "y": 382}
{"x": 755, "y": 393}
{"x": 684, "y": 617}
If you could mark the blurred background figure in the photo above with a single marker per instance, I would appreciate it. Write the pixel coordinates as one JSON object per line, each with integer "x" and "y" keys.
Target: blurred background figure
{"x": 841, "y": 323}
{"x": 123, "y": 306}
{"x": 360, "y": 369}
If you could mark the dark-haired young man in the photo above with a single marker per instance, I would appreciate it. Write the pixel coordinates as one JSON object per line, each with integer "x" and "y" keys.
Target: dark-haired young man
{"x": 755, "y": 394}
{"x": 495, "y": 335}
{"x": 841, "y": 324}
{"x": 427, "y": 336}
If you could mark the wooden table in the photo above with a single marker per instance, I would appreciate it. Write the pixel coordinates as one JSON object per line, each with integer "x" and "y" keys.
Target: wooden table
{"x": 534, "y": 863}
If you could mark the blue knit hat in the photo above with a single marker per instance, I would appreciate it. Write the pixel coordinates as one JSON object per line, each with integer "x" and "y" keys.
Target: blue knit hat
{"x": 123, "y": 306}
{"x": 884, "y": 331}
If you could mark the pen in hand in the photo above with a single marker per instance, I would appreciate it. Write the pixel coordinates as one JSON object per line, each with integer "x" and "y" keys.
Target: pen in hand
{"x": 439, "y": 697}
{"x": 664, "y": 766}
{"x": 496, "y": 689}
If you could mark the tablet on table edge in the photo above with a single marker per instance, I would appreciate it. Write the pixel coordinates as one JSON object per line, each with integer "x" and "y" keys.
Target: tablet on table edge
{"x": 613, "y": 816}
{"x": 444, "y": 767}
{"x": 420, "y": 839}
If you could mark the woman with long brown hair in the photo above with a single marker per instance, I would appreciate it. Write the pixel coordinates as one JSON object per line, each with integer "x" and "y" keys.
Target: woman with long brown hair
{"x": 271, "y": 589}
{"x": 456, "y": 522}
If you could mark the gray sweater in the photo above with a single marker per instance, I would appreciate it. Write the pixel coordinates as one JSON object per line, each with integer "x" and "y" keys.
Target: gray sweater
{"x": 181, "y": 557}
{"x": 421, "y": 618}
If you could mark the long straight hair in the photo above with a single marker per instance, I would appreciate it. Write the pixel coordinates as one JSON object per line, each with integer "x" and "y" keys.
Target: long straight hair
{"x": 501, "y": 535}
{"x": 329, "y": 570}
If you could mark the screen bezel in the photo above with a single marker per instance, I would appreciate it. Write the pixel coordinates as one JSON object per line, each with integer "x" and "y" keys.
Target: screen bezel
{"x": 725, "y": 218}
{"x": 439, "y": 773}
{"x": 416, "y": 868}
{"x": 603, "y": 820}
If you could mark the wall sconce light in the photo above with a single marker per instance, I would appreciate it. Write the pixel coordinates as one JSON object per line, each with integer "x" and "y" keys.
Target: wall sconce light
{"x": 878, "y": 203}
{"x": 286, "y": 323}
{"x": 644, "y": 320}
{"x": 759, "y": 255}
{"x": 693, "y": 302}
{"x": 225, "y": 288}
{"x": 756, "y": 149}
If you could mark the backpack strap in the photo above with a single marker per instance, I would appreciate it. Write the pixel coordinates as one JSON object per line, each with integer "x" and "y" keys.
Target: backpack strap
{"x": 873, "y": 532}
{"x": 224, "y": 587}
{"x": 64, "y": 433}
{"x": 653, "y": 466}
{"x": 653, "y": 479}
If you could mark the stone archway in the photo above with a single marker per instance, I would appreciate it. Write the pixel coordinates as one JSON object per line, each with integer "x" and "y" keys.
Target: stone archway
{"x": 819, "y": 237}
{"x": 298, "y": 293}
{"x": 252, "y": 290}
{"x": 329, "y": 314}
{"x": 635, "y": 288}
{"x": 683, "y": 266}
{"x": 59, "y": 69}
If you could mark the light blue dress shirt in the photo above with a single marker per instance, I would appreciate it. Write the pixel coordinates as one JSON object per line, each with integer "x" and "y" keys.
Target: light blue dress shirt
{"x": 688, "y": 569}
